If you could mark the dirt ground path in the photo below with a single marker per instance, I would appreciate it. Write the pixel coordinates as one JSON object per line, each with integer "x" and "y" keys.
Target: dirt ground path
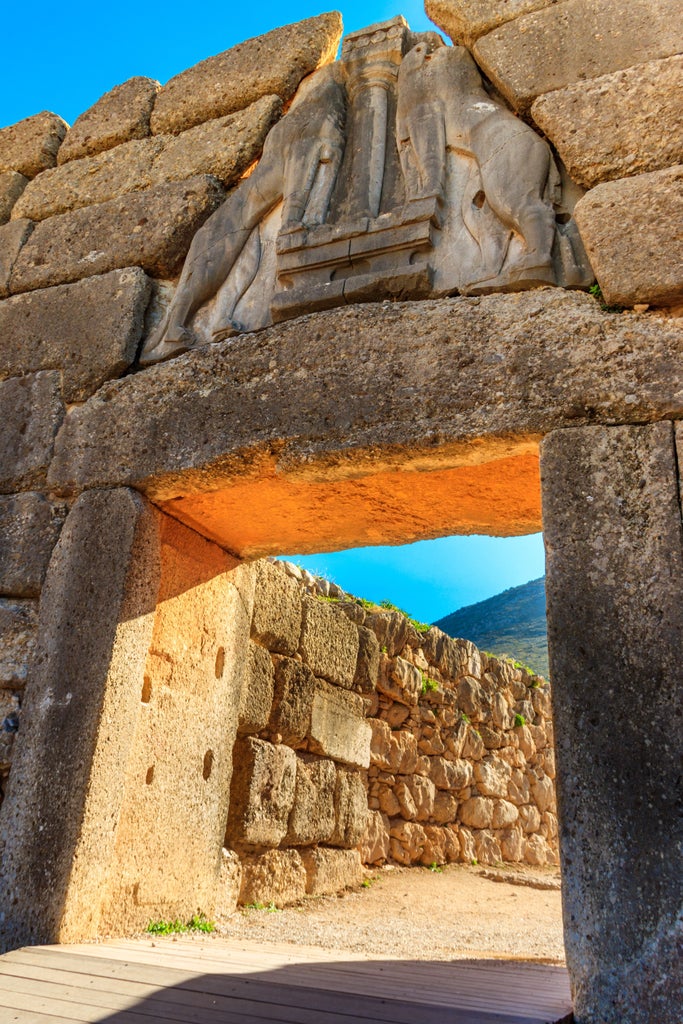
{"x": 416, "y": 913}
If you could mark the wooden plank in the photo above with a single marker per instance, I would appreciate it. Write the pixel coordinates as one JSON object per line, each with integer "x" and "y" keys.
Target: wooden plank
{"x": 284, "y": 1003}
{"x": 508, "y": 989}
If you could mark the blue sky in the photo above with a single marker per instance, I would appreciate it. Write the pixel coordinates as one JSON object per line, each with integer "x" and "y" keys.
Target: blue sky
{"x": 64, "y": 56}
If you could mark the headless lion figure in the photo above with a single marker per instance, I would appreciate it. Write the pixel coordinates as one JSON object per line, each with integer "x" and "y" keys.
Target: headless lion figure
{"x": 301, "y": 159}
{"x": 442, "y": 105}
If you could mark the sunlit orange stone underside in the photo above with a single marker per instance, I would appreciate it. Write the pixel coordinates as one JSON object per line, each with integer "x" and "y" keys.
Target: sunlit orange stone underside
{"x": 273, "y": 513}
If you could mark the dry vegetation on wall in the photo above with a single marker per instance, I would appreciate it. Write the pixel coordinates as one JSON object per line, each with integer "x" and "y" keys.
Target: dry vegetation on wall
{"x": 369, "y": 738}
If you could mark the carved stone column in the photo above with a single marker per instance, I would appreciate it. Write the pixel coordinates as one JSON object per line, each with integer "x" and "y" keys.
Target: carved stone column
{"x": 614, "y": 543}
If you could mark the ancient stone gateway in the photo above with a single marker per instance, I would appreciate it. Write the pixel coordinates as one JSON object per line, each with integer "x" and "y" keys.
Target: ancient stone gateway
{"x": 416, "y": 341}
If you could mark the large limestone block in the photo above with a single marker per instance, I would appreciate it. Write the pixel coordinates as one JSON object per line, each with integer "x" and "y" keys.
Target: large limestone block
{"x": 367, "y": 666}
{"x": 338, "y": 727}
{"x": 30, "y": 146}
{"x": 224, "y": 148}
{"x": 290, "y": 719}
{"x": 276, "y": 876}
{"x": 331, "y": 871}
{"x": 29, "y": 528}
{"x": 121, "y": 114}
{"x": 151, "y": 229}
{"x": 272, "y": 64}
{"x": 12, "y": 184}
{"x": 12, "y": 238}
{"x": 312, "y": 819}
{"x": 465, "y": 20}
{"x": 257, "y": 696}
{"x": 629, "y": 230}
{"x": 184, "y": 426}
{"x": 89, "y": 330}
{"x": 374, "y": 846}
{"x": 262, "y": 792}
{"x": 392, "y": 630}
{"x": 453, "y": 658}
{"x": 350, "y": 809}
{"x": 617, "y": 125}
{"x": 614, "y": 555}
{"x": 400, "y": 680}
{"x": 94, "y": 625}
{"x": 593, "y": 37}
{"x": 31, "y": 412}
{"x": 492, "y": 776}
{"x": 96, "y": 179}
{"x": 329, "y": 642}
{"x": 18, "y": 634}
{"x": 277, "y": 609}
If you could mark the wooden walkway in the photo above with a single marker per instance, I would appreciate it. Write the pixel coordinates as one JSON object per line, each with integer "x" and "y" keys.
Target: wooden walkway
{"x": 216, "y": 981}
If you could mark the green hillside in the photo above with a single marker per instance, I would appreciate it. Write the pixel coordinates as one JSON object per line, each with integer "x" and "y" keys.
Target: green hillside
{"x": 511, "y": 623}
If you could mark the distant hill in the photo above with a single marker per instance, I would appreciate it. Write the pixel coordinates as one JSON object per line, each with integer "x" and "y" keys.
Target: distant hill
{"x": 510, "y": 623}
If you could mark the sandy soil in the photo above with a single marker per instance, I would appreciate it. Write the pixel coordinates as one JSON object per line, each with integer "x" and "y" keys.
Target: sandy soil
{"x": 416, "y": 913}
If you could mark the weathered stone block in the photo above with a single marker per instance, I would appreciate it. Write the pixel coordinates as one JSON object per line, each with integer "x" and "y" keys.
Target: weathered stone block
{"x": 543, "y": 793}
{"x": 392, "y": 630}
{"x": 229, "y": 885}
{"x": 407, "y": 843}
{"x": 338, "y": 727}
{"x": 445, "y": 807}
{"x": 403, "y": 752}
{"x": 29, "y": 528}
{"x": 227, "y": 82}
{"x": 31, "y": 145}
{"x": 18, "y": 633}
{"x": 121, "y": 114}
{"x": 261, "y": 794}
{"x": 512, "y": 844}
{"x": 225, "y": 147}
{"x": 492, "y": 776}
{"x": 450, "y": 775}
{"x": 399, "y": 680}
{"x": 96, "y": 179}
{"x": 151, "y": 229}
{"x": 477, "y": 812}
{"x": 626, "y": 226}
{"x": 312, "y": 818}
{"x": 12, "y": 238}
{"x": 329, "y": 642}
{"x": 276, "y": 876}
{"x": 31, "y": 412}
{"x": 423, "y": 792}
{"x": 206, "y": 420}
{"x": 612, "y": 516}
{"x": 465, "y": 20}
{"x": 290, "y": 717}
{"x": 12, "y": 184}
{"x": 257, "y": 696}
{"x": 330, "y": 871}
{"x": 617, "y": 125}
{"x": 374, "y": 846}
{"x": 380, "y": 743}
{"x": 472, "y": 697}
{"x": 367, "y": 666}
{"x": 350, "y": 809}
{"x": 89, "y": 330}
{"x": 453, "y": 658}
{"x": 595, "y": 37}
{"x": 487, "y": 847}
{"x": 277, "y": 610}
{"x": 504, "y": 814}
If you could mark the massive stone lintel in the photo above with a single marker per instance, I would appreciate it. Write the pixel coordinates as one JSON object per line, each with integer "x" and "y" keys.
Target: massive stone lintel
{"x": 614, "y": 547}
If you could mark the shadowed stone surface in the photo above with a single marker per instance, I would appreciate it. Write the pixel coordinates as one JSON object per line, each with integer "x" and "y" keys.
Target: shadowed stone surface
{"x": 224, "y": 148}
{"x": 313, "y": 814}
{"x": 29, "y": 528}
{"x": 121, "y": 114}
{"x": 612, "y": 525}
{"x": 12, "y": 238}
{"x": 262, "y": 792}
{"x": 276, "y": 622}
{"x": 31, "y": 411}
{"x": 617, "y": 125}
{"x": 12, "y": 184}
{"x": 18, "y": 635}
{"x": 460, "y": 372}
{"x": 151, "y": 229}
{"x": 465, "y": 20}
{"x": 594, "y": 37}
{"x": 89, "y": 330}
{"x": 31, "y": 145}
{"x": 257, "y": 695}
{"x": 630, "y": 228}
{"x": 227, "y": 82}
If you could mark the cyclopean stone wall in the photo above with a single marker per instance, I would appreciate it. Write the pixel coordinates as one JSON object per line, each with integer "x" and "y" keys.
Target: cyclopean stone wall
{"x": 365, "y": 740}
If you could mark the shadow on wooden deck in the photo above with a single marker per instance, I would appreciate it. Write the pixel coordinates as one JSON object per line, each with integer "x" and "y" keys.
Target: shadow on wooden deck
{"x": 246, "y": 983}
